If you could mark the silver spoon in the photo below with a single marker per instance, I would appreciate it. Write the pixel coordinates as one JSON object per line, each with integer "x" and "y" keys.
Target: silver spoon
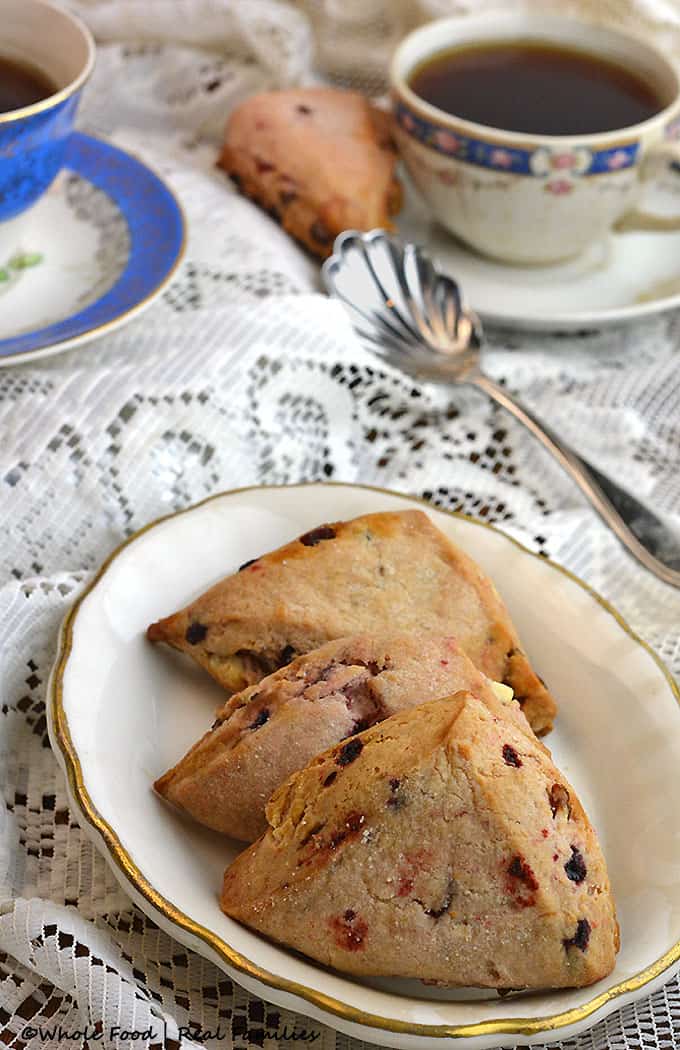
{"x": 413, "y": 317}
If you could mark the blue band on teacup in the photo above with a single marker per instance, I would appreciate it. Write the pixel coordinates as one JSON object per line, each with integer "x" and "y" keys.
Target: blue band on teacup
{"x": 538, "y": 162}
{"x": 32, "y": 150}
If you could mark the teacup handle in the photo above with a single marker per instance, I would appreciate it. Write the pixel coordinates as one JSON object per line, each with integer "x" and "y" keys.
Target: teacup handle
{"x": 638, "y": 219}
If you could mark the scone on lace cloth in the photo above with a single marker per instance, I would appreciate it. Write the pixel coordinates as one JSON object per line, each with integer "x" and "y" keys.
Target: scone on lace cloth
{"x": 376, "y": 573}
{"x": 276, "y": 727}
{"x": 320, "y": 160}
{"x": 442, "y": 844}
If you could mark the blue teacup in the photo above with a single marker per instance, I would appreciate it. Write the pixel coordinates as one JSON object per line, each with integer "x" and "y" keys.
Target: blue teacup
{"x": 33, "y": 139}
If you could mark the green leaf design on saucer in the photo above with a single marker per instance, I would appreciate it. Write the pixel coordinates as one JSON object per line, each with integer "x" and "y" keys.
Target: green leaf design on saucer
{"x": 25, "y": 260}
{"x": 11, "y": 271}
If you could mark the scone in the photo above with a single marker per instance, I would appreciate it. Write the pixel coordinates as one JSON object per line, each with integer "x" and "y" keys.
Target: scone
{"x": 442, "y": 844}
{"x": 381, "y": 572}
{"x": 320, "y": 160}
{"x": 272, "y": 729}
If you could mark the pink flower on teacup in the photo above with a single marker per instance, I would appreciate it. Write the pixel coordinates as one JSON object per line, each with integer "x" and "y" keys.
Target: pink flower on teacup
{"x": 562, "y": 161}
{"x": 500, "y": 158}
{"x": 407, "y": 121}
{"x": 576, "y": 161}
{"x": 618, "y": 159}
{"x": 447, "y": 141}
{"x": 559, "y": 187}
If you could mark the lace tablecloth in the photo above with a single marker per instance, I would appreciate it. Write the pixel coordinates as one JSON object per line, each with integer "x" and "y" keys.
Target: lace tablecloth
{"x": 243, "y": 373}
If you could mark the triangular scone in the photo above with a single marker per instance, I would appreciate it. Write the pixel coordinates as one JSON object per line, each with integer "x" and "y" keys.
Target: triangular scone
{"x": 442, "y": 844}
{"x": 318, "y": 159}
{"x": 381, "y": 572}
{"x": 276, "y": 727}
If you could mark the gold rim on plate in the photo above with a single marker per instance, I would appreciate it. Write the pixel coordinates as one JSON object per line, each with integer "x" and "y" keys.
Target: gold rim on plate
{"x": 126, "y": 865}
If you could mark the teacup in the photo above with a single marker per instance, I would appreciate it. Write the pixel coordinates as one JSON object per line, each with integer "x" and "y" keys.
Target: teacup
{"x": 33, "y": 139}
{"x": 527, "y": 198}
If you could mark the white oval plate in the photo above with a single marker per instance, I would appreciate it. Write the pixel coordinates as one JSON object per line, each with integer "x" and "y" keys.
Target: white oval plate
{"x": 624, "y": 278}
{"x": 122, "y": 711}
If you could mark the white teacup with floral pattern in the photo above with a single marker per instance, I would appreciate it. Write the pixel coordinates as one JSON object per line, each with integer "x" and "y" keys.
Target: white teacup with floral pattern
{"x": 533, "y": 198}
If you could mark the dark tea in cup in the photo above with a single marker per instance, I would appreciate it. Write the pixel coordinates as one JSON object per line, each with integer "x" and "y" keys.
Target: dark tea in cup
{"x": 534, "y": 87}
{"x": 22, "y": 84}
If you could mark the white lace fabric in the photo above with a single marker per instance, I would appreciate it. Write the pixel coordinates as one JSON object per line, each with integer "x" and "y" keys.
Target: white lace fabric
{"x": 244, "y": 374}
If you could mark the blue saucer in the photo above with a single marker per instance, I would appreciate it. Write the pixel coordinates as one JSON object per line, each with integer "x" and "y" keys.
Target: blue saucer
{"x": 103, "y": 243}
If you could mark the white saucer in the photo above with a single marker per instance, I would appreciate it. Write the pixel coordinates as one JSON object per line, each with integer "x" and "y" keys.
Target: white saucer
{"x": 626, "y": 277}
{"x": 98, "y": 248}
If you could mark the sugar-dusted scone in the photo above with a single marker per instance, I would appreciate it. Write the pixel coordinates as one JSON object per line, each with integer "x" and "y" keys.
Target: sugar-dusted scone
{"x": 442, "y": 844}
{"x": 392, "y": 571}
{"x": 322, "y": 160}
{"x": 272, "y": 729}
